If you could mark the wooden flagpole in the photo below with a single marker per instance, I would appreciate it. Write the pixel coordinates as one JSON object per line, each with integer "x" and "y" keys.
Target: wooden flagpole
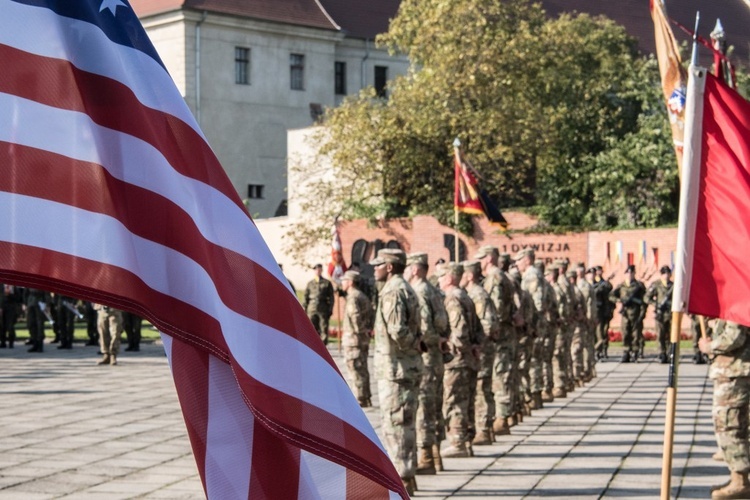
{"x": 456, "y": 148}
{"x": 674, "y": 363}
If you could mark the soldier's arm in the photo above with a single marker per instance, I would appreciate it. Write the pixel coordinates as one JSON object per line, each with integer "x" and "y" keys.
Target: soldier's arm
{"x": 732, "y": 337}
{"x": 307, "y": 295}
{"x": 614, "y": 295}
{"x": 459, "y": 326}
{"x": 396, "y": 319}
{"x": 426, "y": 325}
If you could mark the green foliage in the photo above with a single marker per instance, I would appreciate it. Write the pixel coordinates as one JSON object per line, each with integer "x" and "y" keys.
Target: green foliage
{"x": 562, "y": 115}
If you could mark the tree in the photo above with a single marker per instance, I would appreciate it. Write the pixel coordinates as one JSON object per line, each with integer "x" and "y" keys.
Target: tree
{"x": 536, "y": 103}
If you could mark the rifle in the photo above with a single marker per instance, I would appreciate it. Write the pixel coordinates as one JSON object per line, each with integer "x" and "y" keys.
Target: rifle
{"x": 630, "y": 299}
{"x": 666, "y": 304}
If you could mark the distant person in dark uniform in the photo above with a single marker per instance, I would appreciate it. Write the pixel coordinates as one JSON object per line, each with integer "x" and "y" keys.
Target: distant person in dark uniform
{"x": 319, "y": 302}
{"x": 131, "y": 323}
{"x": 9, "y": 304}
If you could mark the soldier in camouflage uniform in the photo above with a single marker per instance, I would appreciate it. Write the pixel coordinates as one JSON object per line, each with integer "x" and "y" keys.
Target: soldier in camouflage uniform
{"x": 531, "y": 282}
{"x": 730, "y": 371}
{"x": 524, "y": 320}
{"x": 434, "y": 328}
{"x": 355, "y": 339}
{"x": 576, "y": 372}
{"x": 504, "y": 379}
{"x": 551, "y": 333}
{"x": 569, "y": 327}
{"x": 586, "y": 285}
{"x": 604, "y": 309}
{"x": 398, "y": 362}
{"x": 484, "y": 409}
{"x": 559, "y": 372}
{"x": 319, "y": 302}
{"x": 459, "y": 381}
{"x": 660, "y": 295}
{"x": 630, "y": 294}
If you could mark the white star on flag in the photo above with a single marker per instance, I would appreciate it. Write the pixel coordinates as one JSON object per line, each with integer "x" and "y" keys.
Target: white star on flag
{"x": 111, "y": 5}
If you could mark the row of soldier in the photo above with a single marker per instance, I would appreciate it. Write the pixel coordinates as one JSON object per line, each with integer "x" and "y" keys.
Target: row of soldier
{"x": 104, "y": 325}
{"x": 465, "y": 360}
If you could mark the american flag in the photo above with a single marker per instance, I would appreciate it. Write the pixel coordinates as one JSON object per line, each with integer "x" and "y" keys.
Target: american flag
{"x": 109, "y": 192}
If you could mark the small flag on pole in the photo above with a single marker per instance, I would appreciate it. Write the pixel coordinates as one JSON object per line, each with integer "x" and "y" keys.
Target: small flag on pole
{"x": 470, "y": 198}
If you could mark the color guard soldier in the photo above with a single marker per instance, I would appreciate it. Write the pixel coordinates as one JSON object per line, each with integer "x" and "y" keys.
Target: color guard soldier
{"x": 630, "y": 294}
{"x": 319, "y": 302}
{"x": 659, "y": 295}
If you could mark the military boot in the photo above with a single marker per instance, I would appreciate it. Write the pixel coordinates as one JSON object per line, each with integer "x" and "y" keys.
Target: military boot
{"x": 482, "y": 438}
{"x": 510, "y": 421}
{"x": 536, "y": 401}
{"x": 519, "y": 417}
{"x": 408, "y": 486}
{"x": 501, "y": 427}
{"x": 559, "y": 392}
{"x": 425, "y": 462}
{"x": 718, "y": 456}
{"x": 437, "y": 458}
{"x": 113, "y": 360}
{"x": 456, "y": 450}
{"x": 547, "y": 397}
{"x": 625, "y": 357}
{"x": 104, "y": 361}
{"x": 738, "y": 487}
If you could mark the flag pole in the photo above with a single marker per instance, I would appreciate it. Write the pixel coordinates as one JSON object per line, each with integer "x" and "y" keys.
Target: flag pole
{"x": 689, "y": 184}
{"x": 456, "y": 151}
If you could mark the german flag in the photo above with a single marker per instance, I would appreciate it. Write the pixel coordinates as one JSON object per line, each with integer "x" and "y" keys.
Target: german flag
{"x": 472, "y": 199}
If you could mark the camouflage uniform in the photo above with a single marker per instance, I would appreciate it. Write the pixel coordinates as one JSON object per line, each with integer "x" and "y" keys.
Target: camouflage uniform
{"x": 319, "y": 305}
{"x": 730, "y": 371}
{"x": 434, "y": 326}
{"x": 109, "y": 323}
{"x": 589, "y": 327}
{"x": 524, "y": 304}
{"x": 630, "y": 294}
{"x": 36, "y": 302}
{"x": 576, "y": 371}
{"x": 564, "y": 315}
{"x": 398, "y": 367}
{"x": 568, "y": 329}
{"x": 531, "y": 282}
{"x": 485, "y": 400}
{"x": 505, "y": 379}
{"x": 552, "y": 333}
{"x": 355, "y": 340}
{"x": 459, "y": 382}
{"x": 660, "y": 295}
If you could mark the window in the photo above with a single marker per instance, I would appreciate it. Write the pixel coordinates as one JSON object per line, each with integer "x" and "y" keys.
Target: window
{"x": 255, "y": 191}
{"x": 242, "y": 65}
{"x": 381, "y": 78}
{"x": 339, "y": 77}
{"x": 297, "y": 71}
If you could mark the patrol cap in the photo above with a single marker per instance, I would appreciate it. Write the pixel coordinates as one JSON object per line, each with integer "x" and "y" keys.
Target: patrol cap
{"x": 559, "y": 262}
{"x": 571, "y": 274}
{"x": 449, "y": 268}
{"x": 591, "y": 270}
{"x": 351, "y": 276}
{"x": 472, "y": 266}
{"x": 486, "y": 250}
{"x": 505, "y": 257}
{"x": 665, "y": 270}
{"x": 526, "y": 252}
{"x": 389, "y": 255}
{"x": 416, "y": 258}
{"x": 598, "y": 268}
{"x": 550, "y": 271}
{"x": 539, "y": 264}
{"x": 630, "y": 268}
{"x": 581, "y": 265}
{"x": 317, "y": 266}
{"x": 515, "y": 274}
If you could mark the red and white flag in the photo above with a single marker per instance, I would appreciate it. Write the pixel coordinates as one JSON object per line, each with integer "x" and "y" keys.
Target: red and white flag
{"x": 110, "y": 193}
{"x": 712, "y": 276}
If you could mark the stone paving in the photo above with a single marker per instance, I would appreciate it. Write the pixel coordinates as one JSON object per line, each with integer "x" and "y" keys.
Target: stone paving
{"x": 70, "y": 429}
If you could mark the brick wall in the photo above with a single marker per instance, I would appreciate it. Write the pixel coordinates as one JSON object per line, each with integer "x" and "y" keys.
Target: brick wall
{"x": 648, "y": 249}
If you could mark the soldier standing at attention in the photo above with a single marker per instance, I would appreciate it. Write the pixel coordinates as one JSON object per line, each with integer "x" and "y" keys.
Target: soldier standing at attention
{"x": 459, "y": 381}
{"x": 531, "y": 282}
{"x": 552, "y": 333}
{"x": 132, "y": 324}
{"x": 319, "y": 302}
{"x": 355, "y": 340}
{"x": 585, "y": 283}
{"x": 660, "y": 295}
{"x": 730, "y": 371}
{"x": 398, "y": 362}
{"x": 604, "y": 309}
{"x": 576, "y": 371}
{"x": 484, "y": 401}
{"x": 434, "y": 329}
{"x": 504, "y": 381}
{"x": 10, "y": 302}
{"x": 36, "y": 303}
{"x": 630, "y": 294}
{"x": 559, "y": 371}
{"x": 109, "y": 322}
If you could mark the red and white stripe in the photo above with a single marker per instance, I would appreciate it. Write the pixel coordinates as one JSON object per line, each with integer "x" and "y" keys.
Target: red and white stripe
{"x": 114, "y": 196}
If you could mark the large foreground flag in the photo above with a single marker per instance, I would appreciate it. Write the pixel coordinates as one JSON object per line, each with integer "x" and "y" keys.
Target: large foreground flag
{"x": 110, "y": 193}
{"x": 712, "y": 265}
{"x": 469, "y": 197}
{"x": 673, "y": 78}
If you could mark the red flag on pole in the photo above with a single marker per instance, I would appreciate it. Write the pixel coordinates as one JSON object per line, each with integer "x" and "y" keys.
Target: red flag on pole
{"x": 469, "y": 197}
{"x": 717, "y": 226}
{"x": 111, "y": 193}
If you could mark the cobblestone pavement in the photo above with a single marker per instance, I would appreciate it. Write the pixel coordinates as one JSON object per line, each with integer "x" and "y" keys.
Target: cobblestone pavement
{"x": 71, "y": 429}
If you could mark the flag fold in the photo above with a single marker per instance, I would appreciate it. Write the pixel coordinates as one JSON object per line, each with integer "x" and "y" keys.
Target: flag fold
{"x": 470, "y": 198}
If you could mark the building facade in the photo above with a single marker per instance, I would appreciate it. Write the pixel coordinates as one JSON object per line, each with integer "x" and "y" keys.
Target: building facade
{"x": 252, "y": 70}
